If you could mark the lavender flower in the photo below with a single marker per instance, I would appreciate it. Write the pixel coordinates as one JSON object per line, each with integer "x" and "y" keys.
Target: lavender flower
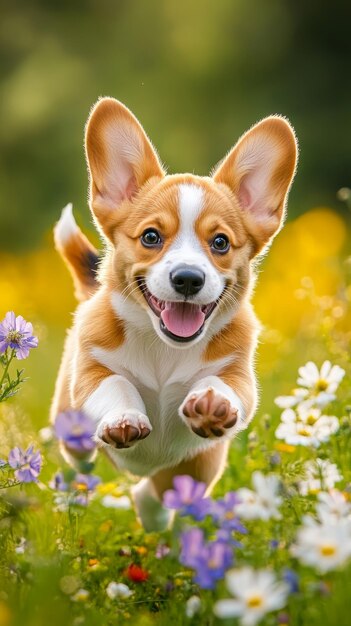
{"x": 76, "y": 489}
{"x": 79, "y": 482}
{"x": 58, "y": 482}
{"x": 27, "y": 464}
{"x": 85, "y": 482}
{"x": 187, "y": 497}
{"x": 292, "y": 579}
{"x": 192, "y": 543}
{"x": 209, "y": 560}
{"x": 17, "y": 334}
{"x": 224, "y": 515}
{"x": 76, "y": 430}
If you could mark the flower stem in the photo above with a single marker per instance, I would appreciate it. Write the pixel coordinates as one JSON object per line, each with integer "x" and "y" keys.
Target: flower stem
{"x": 8, "y": 362}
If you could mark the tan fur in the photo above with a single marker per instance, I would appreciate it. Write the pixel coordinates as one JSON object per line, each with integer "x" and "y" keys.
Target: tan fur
{"x": 206, "y": 467}
{"x": 129, "y": 192}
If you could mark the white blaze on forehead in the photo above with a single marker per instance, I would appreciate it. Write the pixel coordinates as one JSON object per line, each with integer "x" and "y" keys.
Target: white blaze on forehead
{"x": 186, "y": 249}
{"x": 191, "y": 202}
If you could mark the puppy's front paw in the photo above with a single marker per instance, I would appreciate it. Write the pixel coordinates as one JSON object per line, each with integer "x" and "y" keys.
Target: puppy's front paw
{"x": 208, "y": 413}
{"x": 126, "y": 430}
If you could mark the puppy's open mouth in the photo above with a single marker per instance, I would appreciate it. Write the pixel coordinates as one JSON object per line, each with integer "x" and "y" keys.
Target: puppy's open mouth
{"x": 181, "y": 321}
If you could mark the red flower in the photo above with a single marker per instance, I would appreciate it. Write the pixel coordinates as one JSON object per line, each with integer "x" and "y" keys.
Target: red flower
{"x": 136, "y": 573}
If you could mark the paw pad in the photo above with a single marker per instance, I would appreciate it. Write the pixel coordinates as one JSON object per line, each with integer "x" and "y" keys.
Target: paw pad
{"x": 209, "y": 413}
{"x": 125, "y": 432}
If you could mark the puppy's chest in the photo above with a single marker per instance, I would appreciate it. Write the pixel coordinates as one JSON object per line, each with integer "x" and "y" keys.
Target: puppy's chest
{"x": 162, "y": 375}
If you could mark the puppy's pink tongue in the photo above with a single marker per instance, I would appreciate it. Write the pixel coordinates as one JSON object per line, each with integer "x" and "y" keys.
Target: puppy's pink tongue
{"x": 182, "y": 319}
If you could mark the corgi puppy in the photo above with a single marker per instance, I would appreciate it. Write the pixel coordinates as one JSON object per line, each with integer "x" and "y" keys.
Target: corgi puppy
{"x": 161, "y": 351}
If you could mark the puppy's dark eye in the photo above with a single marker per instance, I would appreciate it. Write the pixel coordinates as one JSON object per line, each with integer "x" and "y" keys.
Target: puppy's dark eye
{"x": 151, "y": 238}
{"x": 220, "y": 244}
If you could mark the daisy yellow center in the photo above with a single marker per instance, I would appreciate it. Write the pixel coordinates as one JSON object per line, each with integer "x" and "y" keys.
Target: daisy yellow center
{"x": 303, "y": 431}
{"x": 311, "y": 419}
{"x": 254, "y": 602}
{"x": 14, "y": 336}
{"x": 328, "y": 550}
{"x": 321, "y": 385}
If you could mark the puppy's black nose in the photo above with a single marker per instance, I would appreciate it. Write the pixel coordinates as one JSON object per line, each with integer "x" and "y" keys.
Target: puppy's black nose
{"x": 187, "y": 279}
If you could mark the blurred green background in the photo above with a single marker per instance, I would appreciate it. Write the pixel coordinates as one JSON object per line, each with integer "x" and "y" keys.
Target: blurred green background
{"x": 197, "y": 73}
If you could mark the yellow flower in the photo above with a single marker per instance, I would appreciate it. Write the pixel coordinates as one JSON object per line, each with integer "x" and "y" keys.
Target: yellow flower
{"x": 106, "y": 526}
{"x": 110, "y": 488}
{"x": 285, "y": 447}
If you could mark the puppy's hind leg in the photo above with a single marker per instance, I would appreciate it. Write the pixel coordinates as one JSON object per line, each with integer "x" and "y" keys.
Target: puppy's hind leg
{"x": 207, "y": 466}
{"x": 153, "y": 516}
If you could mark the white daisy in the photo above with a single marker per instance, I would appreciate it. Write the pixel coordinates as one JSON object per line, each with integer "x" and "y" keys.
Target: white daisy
{"x": 333, "y": 507}
{"x": 323, "y": 546}
{"x": 319, "y": 474}
{"x": 81, "y": 595}
{"x": 256, "y": 592}
{"x": 306, "y": 427}
{"x": 263, "y": 502}
{"x": 323, "y": 381}
{"x": 287, "y": 402}
{"x": 193, "y": 606}
{"x": 118, "y": 590}
{"x": 317, "y": 387}
{"x": 61, "y": 502}
{"x": 116, "y": 502}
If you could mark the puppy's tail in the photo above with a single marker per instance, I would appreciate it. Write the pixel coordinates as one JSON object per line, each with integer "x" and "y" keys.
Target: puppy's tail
{"x": 78, "y": 253}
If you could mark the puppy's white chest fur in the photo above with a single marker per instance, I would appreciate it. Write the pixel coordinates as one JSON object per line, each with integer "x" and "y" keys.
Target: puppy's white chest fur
{"x": 162, "y": 376}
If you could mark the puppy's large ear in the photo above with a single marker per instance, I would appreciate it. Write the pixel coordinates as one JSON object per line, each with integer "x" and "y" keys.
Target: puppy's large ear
{"x": 120, "y": 159}
{"x": 259, "y": 170}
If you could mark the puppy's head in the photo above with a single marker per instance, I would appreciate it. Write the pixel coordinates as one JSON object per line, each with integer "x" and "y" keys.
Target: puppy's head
{"x": 182, "y": 244}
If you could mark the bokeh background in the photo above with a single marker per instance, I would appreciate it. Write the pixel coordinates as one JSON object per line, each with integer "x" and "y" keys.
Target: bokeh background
{"x": 197, "y": 73}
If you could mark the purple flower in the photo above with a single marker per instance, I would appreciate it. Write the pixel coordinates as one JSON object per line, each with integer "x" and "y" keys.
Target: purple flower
{"x": 58, "y": 482}
{"x": 78, "y": 487}
{"x": 223, "y": 513}
{"x": 292, "y": 579}
{"x": 85, "y": 482}
{"x": 187, "y": 497}
{"x": 192, "y": 543}
{"x": 27, "y": 464}
{"x": 226, "y": 535}
{"x": 17, "y": 334}
{"x": 76, "y": 430}
{"x": 209, "y": 560}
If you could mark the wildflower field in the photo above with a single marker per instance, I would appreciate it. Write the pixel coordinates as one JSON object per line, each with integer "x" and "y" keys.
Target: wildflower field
{"x": 272, "y": 545}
